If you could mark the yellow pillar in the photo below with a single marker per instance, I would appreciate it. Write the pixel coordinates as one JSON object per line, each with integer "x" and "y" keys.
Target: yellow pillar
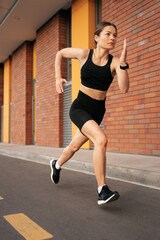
{"x": 7, "y": 101}
{"x": 34, "y": 79}
{"x": 83, "y": 27}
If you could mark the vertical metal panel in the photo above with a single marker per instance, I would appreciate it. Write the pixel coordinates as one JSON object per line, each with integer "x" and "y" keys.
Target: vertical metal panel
{"x": 67, "y": 95}
{"x": 67, "y": 125}
{"x": 98, "y": 11}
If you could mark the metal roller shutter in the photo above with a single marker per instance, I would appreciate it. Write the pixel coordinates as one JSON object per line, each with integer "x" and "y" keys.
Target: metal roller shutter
{"x": 67, "y": 124}
{"x": 67, "y": 95}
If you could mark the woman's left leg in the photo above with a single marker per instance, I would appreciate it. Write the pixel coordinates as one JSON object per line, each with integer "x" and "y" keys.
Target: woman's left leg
{"x": 92, "y": 130}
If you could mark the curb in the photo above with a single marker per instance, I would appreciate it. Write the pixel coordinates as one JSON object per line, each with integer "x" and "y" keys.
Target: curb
{"x": 140, "y": 177}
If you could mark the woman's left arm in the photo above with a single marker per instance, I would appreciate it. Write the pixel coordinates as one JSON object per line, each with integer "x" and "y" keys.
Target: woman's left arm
{"x": 122, "y": 74}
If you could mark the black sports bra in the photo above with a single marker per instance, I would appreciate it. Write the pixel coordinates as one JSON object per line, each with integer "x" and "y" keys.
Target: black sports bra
{"x": 94, "y": 76}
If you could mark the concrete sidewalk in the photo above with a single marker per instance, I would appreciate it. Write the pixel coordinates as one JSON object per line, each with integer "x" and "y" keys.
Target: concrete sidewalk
{"x": 134, "y": 168}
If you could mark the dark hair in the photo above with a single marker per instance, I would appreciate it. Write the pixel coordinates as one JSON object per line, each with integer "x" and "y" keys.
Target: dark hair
{"x": 101, "y": 26}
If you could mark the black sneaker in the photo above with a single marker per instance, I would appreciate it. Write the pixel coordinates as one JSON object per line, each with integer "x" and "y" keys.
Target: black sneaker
{"x": 106, "y": 195}
{"x": 55, "y": 173}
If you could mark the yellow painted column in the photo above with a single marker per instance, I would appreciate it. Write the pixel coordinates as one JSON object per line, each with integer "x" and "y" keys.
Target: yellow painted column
{"x": 27, "y": 228}
{"x": 7, "y": 100}
{"x": 83, "y": 27}
{"x": 34, "y": 79}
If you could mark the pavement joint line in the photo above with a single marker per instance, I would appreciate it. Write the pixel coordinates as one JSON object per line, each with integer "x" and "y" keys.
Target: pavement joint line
{"x": 116, "y": 179}
{"x": 140, "y": 177}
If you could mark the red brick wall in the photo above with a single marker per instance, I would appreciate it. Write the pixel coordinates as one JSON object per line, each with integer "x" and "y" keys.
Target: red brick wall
{"x": 22, "y": 94}
{"x": 1, "y": 93}
{"x": 132, "y": 120}
{"x": 29, "y": 74}
{"x": 49, "y": 109}
{"x": 62, "y": 44}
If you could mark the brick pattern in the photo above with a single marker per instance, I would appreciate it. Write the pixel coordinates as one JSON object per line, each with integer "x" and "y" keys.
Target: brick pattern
{"x": 62, "y": 44}
{"x": 29, "y": 74}
{"x": 49, "y": 109}
{"x": 21, "y": 127}
{"x": 1, "y": 92}
{"x": 132, "y": 120}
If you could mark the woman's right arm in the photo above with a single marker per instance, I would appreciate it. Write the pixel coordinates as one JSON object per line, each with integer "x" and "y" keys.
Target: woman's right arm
{"x": 73, "y": 53}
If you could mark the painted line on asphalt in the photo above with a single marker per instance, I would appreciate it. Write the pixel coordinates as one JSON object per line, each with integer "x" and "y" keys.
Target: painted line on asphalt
{"x": 26, "y": 227}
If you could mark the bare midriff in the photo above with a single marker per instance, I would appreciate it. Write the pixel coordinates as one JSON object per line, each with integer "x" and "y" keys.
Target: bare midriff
{"x": 93, "y": 93}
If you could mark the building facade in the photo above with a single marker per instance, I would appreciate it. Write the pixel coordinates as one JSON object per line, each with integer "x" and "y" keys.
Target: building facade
{"x": 32, "y": 112}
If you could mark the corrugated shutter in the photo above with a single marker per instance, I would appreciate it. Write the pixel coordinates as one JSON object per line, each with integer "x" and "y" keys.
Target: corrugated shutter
{"x": 67, "y": 124}
{"x": 67, "y": 95}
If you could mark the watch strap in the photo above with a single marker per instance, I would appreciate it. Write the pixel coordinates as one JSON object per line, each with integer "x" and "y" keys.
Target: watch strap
{"x": 124, "y": 67}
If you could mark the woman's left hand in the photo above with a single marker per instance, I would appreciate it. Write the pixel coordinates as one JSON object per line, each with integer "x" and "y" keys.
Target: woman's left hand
{"x": 124, "y": 52}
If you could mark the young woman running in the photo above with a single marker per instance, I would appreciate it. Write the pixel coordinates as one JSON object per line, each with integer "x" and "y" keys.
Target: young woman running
{"x": 98, "y": 69}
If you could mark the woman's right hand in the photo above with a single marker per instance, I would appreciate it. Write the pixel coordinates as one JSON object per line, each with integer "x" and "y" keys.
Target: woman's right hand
{"x": 59, "y": 84}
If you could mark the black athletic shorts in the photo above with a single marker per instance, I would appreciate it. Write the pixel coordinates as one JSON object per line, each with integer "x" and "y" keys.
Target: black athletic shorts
{"x": 85, "y": 108}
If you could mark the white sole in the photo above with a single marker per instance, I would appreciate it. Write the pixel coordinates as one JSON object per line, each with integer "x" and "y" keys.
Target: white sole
{"x": 51, "y": 169}
{"x": 100, "y": 202}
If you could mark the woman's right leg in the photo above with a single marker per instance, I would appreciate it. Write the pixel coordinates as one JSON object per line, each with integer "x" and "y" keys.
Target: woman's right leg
{"x": 78, "y": 140}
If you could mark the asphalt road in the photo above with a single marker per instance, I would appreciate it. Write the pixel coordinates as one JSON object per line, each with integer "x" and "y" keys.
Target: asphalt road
{"x": 69, "y": 210}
